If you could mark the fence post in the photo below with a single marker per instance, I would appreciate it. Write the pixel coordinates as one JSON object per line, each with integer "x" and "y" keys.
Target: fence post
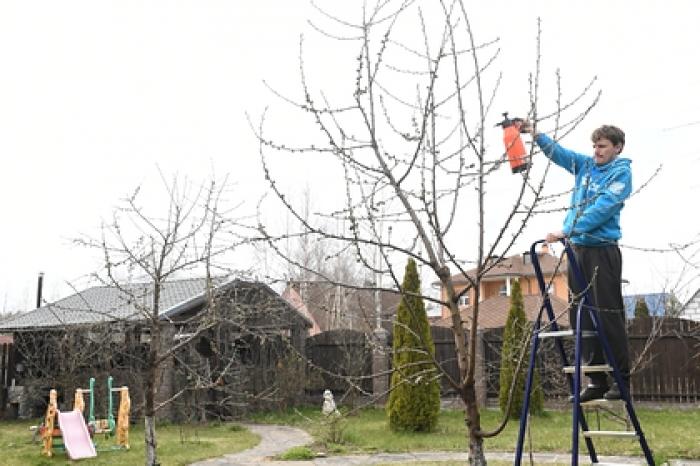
{"x": 380, "y": 366}
{"x": 480, "y": 369}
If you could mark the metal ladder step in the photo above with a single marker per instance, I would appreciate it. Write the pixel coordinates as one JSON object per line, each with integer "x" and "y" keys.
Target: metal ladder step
{"x": 586, "y": 369}
{"x": 567, "y": 333}
{"x": 610, "y": 433}
{"x": 601, "y": 403}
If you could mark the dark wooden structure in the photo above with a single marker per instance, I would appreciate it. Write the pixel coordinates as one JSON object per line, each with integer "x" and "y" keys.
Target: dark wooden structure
{"x": 339, "y": 360}
{"x": 7, "y": 373}
{"x": 234, "y": 346}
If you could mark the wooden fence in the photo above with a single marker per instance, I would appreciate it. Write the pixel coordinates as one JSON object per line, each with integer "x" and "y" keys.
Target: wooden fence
{"x": 665, "y": 353}
{"x": 339, "y": 360}
{"x": 666, "y": 358}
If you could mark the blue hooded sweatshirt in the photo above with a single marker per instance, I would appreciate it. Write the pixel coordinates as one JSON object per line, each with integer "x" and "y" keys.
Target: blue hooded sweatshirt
{"x": 598, "y": 197}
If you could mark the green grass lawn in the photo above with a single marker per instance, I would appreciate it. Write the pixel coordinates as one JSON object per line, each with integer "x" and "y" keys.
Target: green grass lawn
{"x": 671, "y": 433}
{"x": 177, "y": 445}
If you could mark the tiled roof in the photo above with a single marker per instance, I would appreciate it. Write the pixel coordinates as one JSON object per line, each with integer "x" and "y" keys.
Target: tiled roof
{"x": 108, "y": 303}
{"x": 518, "y": 266}
{"x": 493, "y": 312}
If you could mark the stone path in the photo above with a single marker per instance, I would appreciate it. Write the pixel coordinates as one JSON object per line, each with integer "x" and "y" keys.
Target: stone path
{"x": 273, "y": 441}
{"x": 278, "y": 439}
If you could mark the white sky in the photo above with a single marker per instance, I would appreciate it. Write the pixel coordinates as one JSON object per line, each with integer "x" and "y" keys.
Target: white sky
{"x": 94, "y": 95}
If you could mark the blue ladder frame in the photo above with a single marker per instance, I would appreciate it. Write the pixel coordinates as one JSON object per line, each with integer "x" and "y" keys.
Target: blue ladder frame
{"x": 575, "y": 381}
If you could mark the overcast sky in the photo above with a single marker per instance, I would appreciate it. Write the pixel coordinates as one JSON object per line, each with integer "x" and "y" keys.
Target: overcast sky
{"x": 95, "y": 95}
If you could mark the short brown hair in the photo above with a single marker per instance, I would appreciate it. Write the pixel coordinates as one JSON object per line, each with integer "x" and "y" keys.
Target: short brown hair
{"x": 611, "y": 133}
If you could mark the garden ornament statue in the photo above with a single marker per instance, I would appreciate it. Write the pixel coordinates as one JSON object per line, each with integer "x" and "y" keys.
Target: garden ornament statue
{"x": 328, "y": 403}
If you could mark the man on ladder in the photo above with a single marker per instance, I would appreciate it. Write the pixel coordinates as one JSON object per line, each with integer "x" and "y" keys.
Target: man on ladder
{"x": 602, "y": 184}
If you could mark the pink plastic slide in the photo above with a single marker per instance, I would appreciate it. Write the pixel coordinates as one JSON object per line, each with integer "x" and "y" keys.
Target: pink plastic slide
{"x": 76, "y": 437}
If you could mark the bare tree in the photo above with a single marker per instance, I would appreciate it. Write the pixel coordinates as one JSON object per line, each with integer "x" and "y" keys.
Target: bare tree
{"x": 409, "y": 139}
{"x": 190, "y": 233}
{"x": 300, "y": 257}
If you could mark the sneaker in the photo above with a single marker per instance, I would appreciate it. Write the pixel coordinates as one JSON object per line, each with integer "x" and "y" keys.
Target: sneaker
{"x": 590, "y": 393}
{"x": 613, "y": 393}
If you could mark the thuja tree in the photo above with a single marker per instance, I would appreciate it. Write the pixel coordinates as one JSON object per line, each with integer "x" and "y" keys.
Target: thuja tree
{"x": 402, "y": 138}
{"x": 414, "y": 402}
{"x": 514, "y": 357}
{"x": 640, "y": 308}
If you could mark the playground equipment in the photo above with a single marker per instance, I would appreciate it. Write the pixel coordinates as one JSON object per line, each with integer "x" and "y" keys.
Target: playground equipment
{"x": 71, "y": 429}
{"x": 542, "y": 329}
{"x": 71, "y": 426}
{"x": 108, "y": 425}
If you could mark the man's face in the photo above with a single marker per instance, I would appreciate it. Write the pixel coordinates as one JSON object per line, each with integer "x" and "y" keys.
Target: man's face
{"x": 605, "y": 151}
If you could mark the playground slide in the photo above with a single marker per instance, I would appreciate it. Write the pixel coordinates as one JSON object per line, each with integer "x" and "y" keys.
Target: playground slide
{"x": 76, "y": 437}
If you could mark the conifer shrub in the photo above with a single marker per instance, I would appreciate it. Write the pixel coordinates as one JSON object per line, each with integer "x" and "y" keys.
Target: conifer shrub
{"x": 414, "y": 400}
{"x": 641, "y": 309}
{"x": 514, "y": 337}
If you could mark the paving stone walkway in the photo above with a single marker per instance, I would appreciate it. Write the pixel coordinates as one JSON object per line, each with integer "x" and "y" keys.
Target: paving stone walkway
{"x": 278, "y": 439}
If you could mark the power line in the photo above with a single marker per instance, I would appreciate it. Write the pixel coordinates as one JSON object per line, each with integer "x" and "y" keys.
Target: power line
{"x": 683, "y": 125}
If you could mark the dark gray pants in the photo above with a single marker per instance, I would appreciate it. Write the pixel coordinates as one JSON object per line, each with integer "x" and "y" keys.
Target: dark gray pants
{"x": 602, "y": 270}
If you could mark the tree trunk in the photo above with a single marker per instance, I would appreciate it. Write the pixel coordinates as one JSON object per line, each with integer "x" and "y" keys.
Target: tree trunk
{"x": 465, "y": 360}
{"x": 150, "y": 435}
{"x": 150, "y": 398}
{"x": 476, "y": 451}
{"x": 473, "y": 421}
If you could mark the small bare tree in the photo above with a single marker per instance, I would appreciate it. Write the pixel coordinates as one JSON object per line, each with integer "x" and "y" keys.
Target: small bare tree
{"x": 190, "y": 233}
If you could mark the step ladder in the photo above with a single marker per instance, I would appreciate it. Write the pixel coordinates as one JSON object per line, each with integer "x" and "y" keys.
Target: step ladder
{"x": 575, "y": 372}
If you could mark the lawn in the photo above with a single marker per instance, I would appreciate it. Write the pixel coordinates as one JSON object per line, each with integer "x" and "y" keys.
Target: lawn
{"x": 671, "y": 433}
{"x": 177, "y": 445}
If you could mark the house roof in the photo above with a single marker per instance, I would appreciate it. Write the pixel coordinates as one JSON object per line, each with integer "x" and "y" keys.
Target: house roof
{"x": 517, "y": 266}
{"x": 293, "y": 298}
{"x": 493, "y": 312}
{"x": 694, "y": 298}
{"x": 109, "y": 303}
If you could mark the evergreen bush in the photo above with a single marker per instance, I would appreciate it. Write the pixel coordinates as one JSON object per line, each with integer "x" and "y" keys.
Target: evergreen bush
{"x": 514, "y": 337}
{"x": 414, "y": 401}
{"x": 641, "y": 309}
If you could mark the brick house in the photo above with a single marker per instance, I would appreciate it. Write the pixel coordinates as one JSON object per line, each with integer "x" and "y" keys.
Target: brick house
{"x": 496, "y": 289}
{"x": 691, "y": 309}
